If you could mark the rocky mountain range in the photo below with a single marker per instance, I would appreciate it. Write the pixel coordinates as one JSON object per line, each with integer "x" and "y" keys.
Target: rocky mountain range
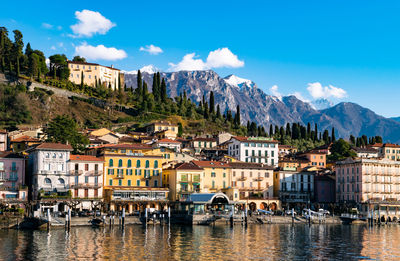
{"x": 256, "y": 105}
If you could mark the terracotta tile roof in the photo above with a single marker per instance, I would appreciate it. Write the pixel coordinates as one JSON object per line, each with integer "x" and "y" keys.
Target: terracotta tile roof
{"x": 25, "y": 138}
{"x": 95, "y": 64}
{"x": 187, "y": 166}
{"x": 84, "y": 158}
{"x": 249, "y": 165}
{"x": 10, "y": 154}
{"x": 54, "y": 146}
{"x": 389, "y": 145}
{"x": 3, "y": 131}
{"x": 124, "y": 146}
{"x": 211, "y": 164}
{"x": 168, "y": 141}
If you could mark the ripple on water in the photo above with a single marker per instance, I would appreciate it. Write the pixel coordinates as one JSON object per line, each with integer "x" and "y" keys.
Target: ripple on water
{"x": 257, "y": 242}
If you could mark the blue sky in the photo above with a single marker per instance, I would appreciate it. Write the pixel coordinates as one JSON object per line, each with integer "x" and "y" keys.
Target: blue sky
{"x": 340, "y": 50}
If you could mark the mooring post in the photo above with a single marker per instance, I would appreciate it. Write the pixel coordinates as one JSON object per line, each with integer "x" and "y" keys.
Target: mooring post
{"x": 169, "y": 215}
{"x": 123, "y": 217}
{"x": 292, "y": 216}
{"x": 48, "y": 219}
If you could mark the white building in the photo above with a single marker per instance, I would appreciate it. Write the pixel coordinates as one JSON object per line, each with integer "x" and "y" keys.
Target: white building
{"x": 295, "y": 187}
{"x": 86, "y": 180}
{"x": 48, "y": 163}
{"x": 168, "y": 143}
{"x": 254, "y": 149}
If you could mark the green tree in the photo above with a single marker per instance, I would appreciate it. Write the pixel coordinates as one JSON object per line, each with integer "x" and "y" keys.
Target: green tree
{"x": 163, "y": 91}
{"x": 64, "y": 129}
{"x": 218, "y": 112}
{"x": 333, "y": 135}
{"x": 341, "y": 150}
{"x": 212, "y": 105}
{"x": 59, "y": 66}
{"x": 33, "y": 65}
{"x": 139, "y": 87}
{"x": 156, "y": 88}
{"x": 325, "y": 137}
{"x": 79, "y": 59}
{"x": 237, "y": 117}
{"x": 180, "y": 129}
{"x": 28, "y": 50}
{"x": 352, "y": 140}
{"x": 17, "y": 50}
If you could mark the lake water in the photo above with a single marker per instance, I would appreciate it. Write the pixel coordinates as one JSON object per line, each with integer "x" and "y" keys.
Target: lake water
{"x": 257, "y": 242}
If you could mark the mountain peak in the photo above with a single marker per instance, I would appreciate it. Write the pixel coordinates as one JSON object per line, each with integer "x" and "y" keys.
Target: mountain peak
{"x": 238, "y": 82}
{"x": 150, "y": 69}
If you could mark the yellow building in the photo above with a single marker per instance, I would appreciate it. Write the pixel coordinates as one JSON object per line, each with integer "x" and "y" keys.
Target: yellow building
{"x": 183, "y": 180}
{"x": 391, "y": 151}
{"x": 164, "y": 129}
{"x": 133, "y": 177}
{"x": 217, "y": 175}
{"x": 22, "y": 143}
{"x": 94, "y": 74}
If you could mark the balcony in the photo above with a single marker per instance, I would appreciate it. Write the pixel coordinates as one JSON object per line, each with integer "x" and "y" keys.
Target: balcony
{"x": 242, "y": 178}
{"x": 87, "y": 185}
{"x": 14, "y": 169}
{"x": 258, "y": 179}
{"x": 13, "y": 178}
{"x": 75, "y": 172}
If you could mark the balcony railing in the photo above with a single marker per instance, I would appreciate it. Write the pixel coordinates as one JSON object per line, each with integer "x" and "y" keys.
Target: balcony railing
{"x": 75, "y": 172}
{"x": 14, "y": 169}
{"x": 87, "y": 185}
{"x": 242, "y": 178}
{"x": 258, "y": 179}
{"x": 13, "y": 178}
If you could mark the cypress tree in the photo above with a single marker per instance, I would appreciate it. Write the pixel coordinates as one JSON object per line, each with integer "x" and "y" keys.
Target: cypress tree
{"x": 276, "y": 131}
{"x": 159, "y": 84}
{"x": 309, "y": 131}
{"x": 352, "y": 140}
{"x": 288, "y": 131}
{"x": 139, "y": 87}
{"x": 316, "y": 133}
{"x": 237, "y": 116}
{"x": 212, "y": 105}
{"x": 206, "y": 115}
{"x": 326, "y": 136}
{"x": 333, "y": 135}
{"x": 271, "y": 130}
{"x": 248, "y": 127}
{"x": 218, "y": 112}
{"x": 163, "y": 91}
{"x": 82, "y": 80}
{"x": 155, "y": 88}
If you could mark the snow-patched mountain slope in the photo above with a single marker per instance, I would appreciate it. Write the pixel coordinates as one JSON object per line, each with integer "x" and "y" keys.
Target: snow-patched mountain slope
{"x": 238, "y": 82}
{"x": 150, "y": 69}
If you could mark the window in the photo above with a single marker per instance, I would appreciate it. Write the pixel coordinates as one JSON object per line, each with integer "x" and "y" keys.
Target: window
{"x": 138, "y": 183}
{"x": 47, "y": 181}
{"x": 86, "y": 179}
{"x": 266, "y": 174}
{"x": 110, "y": 182}
{"x": 86, "y": 167}
{"x": 120, "y": 163}
{"x": 138, "y": 164}
{"x": 110, "y": 171}
{"x": 156, "y": 164}
{"x": 224, "y": 175}
{"x": 111, "y": 163}
{"x": 129, "y": 164}
{"x": 76, "y": 180}
{"x": 156, "y": 183}
{"x": 147, "y": 164}
{"x": 147, "y": 183}
{"x": 120, "y": 182}
{"x": 129, "y": 182}
{"x": 96, "y": 180}
{"x": 54, "y": 155}
{"x": 213, "y": 184}
{"x": 213, "y": 174}
{"x": 224, "y": 184}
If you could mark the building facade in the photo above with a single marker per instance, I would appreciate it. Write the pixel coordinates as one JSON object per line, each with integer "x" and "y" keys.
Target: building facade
{"x": 86, "y": 179}
{"x": 184, "y": 179}
{"x": 12, "y": 177}
{"x": 48, "y": 164}
{"x": 3, "y": 140}
{"x": 132, "y": 177}
{"x": 94, "y": 74}
{"x": 294, "y": 187}
{"x": 216, "y": 176}
{"x": 252, "y": 179}
{"x": 254, "y": 149}
{"x": 198, "y": 144}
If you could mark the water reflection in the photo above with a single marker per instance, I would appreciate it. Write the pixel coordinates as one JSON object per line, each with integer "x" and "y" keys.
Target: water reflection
{"x": 266, "y": 242}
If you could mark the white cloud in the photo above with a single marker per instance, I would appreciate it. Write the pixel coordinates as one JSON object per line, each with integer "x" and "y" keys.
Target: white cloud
{"x": 151, "y": 49}
{"x": 275, "y": 92}
{"x": 318, "y": 91}
{"x": 223, "y": 57}
{"x": 189, "y": 63}
{"x": 219, "y": 58}
{"x": 47, "y": 26}
{"x": 99, "y": 52}
{"x": 61, "y": 44}
{"x": 90, "y": 23}
{"x": 59, "y": 27}
{"x": 52, "y": 47}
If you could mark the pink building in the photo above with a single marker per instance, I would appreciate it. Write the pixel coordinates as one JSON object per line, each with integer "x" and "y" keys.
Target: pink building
{"x": 369, "y": 183}
{"x": 12, "y": 177}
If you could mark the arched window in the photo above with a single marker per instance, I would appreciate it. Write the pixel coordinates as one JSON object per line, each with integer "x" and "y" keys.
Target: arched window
{"x": 47, "y": 181}
{"x": 60, "y": 181}
{"x": 156, "y": 164}
{"x": 138, "y": 164}
{"x": 147, "y": 164}
{"x": 129, "y": 163}
{"x": 111, "y": 163}
{"x": 120, "y": 163}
